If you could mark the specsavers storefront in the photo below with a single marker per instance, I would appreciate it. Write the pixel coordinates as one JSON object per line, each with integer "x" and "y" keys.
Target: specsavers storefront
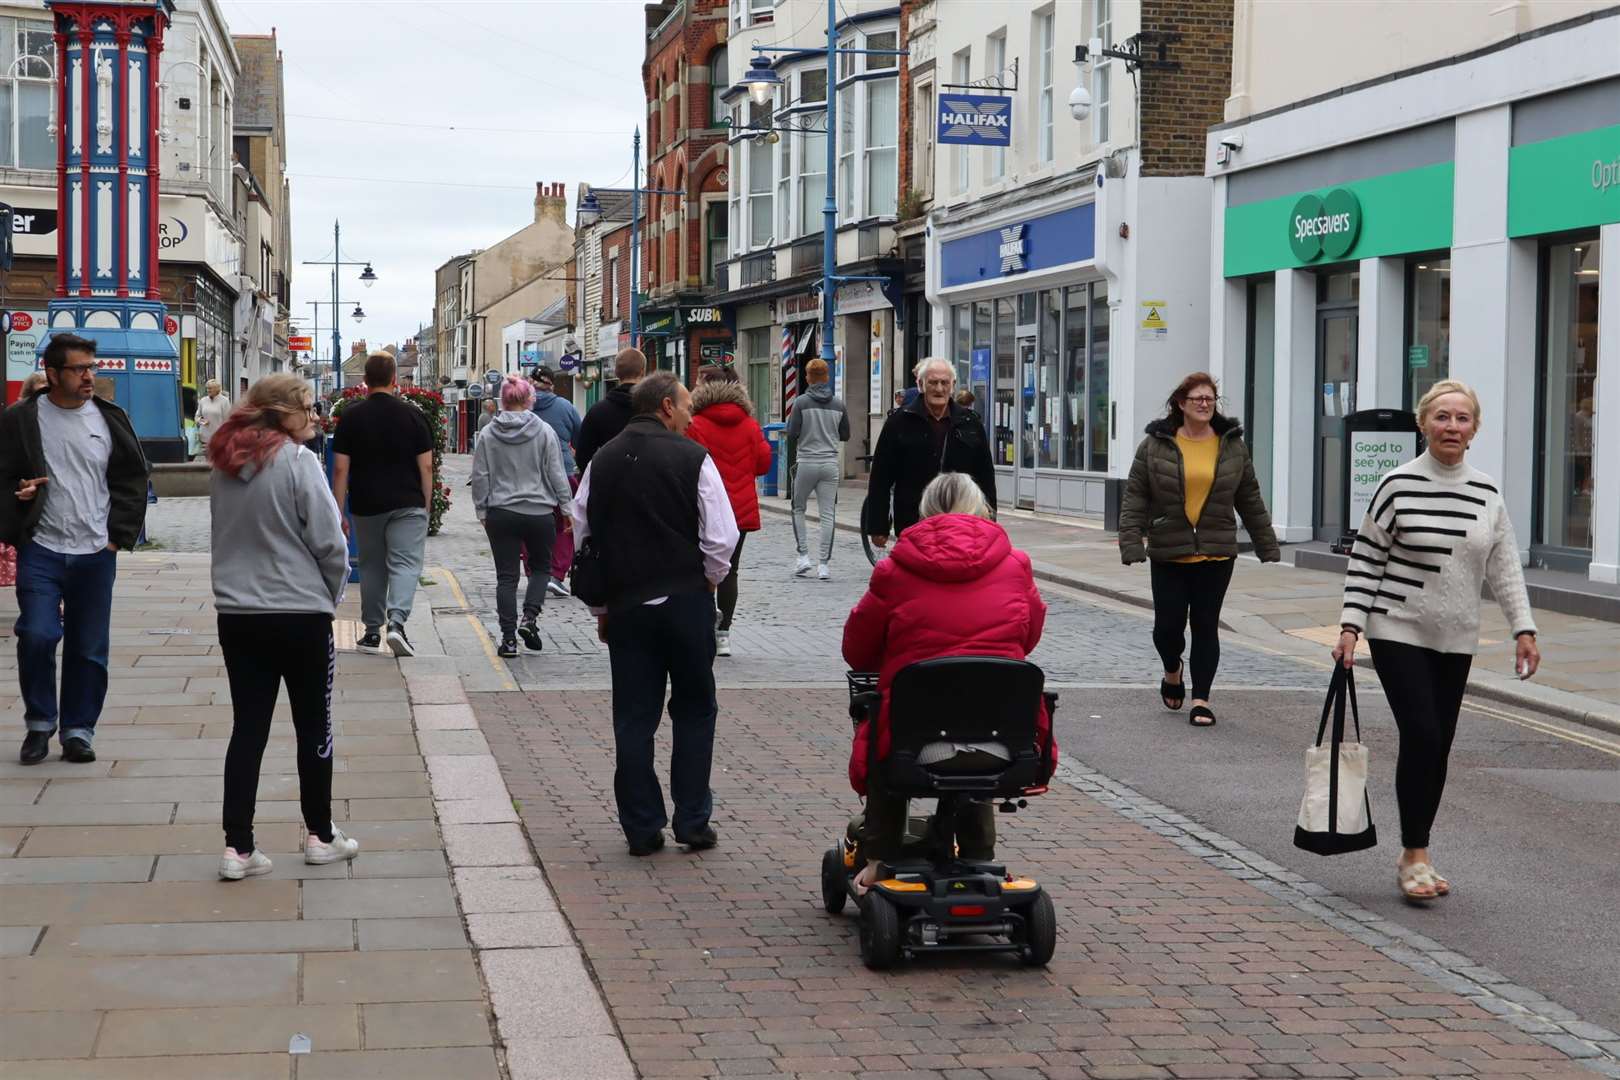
{"x": 1471, "y": 243}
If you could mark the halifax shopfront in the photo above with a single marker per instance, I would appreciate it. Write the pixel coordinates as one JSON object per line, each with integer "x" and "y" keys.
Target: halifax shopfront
{"x": 1026, "y": 318}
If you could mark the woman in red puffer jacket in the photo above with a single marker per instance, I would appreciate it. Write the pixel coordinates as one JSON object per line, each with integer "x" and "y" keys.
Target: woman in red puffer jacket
{"x": 954, "y": 586}
{"x": 723, "y": 423}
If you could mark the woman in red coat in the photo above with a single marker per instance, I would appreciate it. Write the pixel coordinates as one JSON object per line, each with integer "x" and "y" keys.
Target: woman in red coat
{"x": 723, "y": 422}
{"x": 954, "y": 586}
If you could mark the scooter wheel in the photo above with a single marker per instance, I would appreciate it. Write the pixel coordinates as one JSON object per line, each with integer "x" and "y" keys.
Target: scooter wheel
{"x": 1040, "y": 931}
{"x": 880, "y": 932}
{"x": 833, "y": 890}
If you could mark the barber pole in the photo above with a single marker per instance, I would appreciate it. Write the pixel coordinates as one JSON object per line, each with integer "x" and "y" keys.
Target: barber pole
{"x": 790, "y": 371}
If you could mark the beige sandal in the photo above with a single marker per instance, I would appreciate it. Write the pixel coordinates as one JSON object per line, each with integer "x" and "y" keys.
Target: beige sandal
{"x": 1415, "y": 876}
{"x": 1442, "y": 887}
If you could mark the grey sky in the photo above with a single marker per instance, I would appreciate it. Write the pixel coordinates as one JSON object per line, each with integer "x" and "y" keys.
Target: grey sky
{"x": 562, "y": 77}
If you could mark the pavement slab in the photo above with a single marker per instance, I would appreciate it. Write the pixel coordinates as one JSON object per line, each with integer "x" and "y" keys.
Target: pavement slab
{"x": 407, "y": 975}
{"x": 259, "y": 1029}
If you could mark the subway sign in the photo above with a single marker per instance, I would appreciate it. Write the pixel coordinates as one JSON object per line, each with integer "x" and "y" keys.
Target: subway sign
{"x": 1326, "y": 225}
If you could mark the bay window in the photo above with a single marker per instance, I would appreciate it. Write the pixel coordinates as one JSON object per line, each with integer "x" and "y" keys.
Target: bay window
{"x": 812, "y": 177}
{"x": 882, "y": 147}
{"x": 846, "y": 152}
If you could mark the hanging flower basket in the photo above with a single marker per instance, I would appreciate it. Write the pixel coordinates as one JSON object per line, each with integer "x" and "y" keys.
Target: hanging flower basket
{"x": 431, "y": 405}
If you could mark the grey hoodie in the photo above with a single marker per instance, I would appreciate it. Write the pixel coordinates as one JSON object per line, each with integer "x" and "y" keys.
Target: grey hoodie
{"x": 278, "y": 543}
{"x": 518, "y": 466}
{"x": 818, "y": 424}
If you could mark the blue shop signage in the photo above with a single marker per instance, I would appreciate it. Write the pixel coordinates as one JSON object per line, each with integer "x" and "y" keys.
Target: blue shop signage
{"x": 975, "y": 119}
{"x": 1037, "y": 244}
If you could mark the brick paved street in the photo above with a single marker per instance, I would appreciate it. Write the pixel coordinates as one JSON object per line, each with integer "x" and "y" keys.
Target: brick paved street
{"x": 724, "y": 964}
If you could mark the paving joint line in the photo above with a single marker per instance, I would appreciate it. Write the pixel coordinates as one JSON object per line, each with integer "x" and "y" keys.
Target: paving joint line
{"x": 1528, "y": 1010}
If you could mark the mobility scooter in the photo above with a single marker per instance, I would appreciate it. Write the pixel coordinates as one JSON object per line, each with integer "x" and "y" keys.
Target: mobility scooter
{"x": 960, "y": 728}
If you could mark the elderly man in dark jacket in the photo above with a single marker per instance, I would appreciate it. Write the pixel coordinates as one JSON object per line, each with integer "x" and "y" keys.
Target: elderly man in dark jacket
{"x": 930, "y": 435}
{"x": 72, "y": 495}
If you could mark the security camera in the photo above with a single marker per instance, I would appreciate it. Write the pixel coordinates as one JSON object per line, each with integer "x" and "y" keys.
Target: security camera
{"x": 1233, "y": 141}
{"x": 1080, "y": 102}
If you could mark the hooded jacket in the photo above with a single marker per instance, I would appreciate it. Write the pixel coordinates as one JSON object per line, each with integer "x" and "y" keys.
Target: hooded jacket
{"x": 518, "y": 466}
{"x": 723, "y": 423}
{"x": 604, "y": 420}
{"x": 1154, "y": 508}
{"x": 954, "y": 586}
{"x": 564, "y": 420}
{"x": 278, "y": 544}
{"x": 22, "y": 457}
{"x": 904, "y": 462}
{"x": 818, "y": 423}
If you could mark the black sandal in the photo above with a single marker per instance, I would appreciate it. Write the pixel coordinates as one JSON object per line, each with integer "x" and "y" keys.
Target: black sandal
{"x": 1199, "y": 712}
{"x": 1173, "y": 694}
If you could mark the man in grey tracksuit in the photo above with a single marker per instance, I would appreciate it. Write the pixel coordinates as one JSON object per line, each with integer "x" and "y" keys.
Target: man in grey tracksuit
{"x": 817, "y": 424}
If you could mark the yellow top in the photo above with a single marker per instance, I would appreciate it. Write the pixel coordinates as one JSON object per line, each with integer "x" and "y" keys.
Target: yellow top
{"x": 1198, "y": 457}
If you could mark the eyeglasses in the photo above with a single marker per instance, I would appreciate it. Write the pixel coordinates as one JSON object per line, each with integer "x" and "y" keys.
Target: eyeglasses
{"x": 81, "y": 370}
{"x": 1203, "y": 401}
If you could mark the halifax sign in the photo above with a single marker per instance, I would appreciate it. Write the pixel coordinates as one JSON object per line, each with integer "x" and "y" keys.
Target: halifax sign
{"x": 975, "y": 119}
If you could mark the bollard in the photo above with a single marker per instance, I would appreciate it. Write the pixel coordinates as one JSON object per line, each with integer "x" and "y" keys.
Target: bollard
{"x": 774, "y": 434}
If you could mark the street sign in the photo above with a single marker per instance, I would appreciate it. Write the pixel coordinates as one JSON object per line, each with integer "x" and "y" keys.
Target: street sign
{"x": 21, "y": 320}
{"x": 301, "y": 343}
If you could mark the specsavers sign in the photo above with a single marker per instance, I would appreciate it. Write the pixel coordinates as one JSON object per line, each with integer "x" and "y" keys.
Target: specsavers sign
{"x": 1567, "y": 183}
{"x": 1394, "y": 214}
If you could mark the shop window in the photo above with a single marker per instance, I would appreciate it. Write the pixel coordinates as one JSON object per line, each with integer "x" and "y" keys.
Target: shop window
{"x": 962, "y": 349}
{"x": 1569, "y": 395}
{"x": 1259, "y": 410}
{"x": 1050, "y": 405}
{"x": 1006, "y": 385}
{"x": 1097, "y": 377}
{"x": 983, "y": 344}
{"x": 1428, "y": 326}
{"x": 1076, "y": 323}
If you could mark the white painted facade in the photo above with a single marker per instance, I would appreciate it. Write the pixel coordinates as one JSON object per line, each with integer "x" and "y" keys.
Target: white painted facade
{"x": 1527, "y": 324}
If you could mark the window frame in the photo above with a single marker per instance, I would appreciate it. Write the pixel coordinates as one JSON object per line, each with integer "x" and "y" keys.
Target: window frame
{"x": 962, "y": 73}
{"x": 995, "y": 62}
{"x": 718, "y": 87}
{"x": 1045, "y": 64}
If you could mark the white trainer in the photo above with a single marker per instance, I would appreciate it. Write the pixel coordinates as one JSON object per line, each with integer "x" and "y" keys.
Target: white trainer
{"x": 556, "y": 588}
{"x": 804, "y": 566}
{"x": 824, "y": 572}
{"x": 318, "y": 853}
{"x": 234, "y": 867}
{"x": 722, "y": 643}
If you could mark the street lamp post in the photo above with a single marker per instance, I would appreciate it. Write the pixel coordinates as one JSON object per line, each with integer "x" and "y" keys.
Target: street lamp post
{"x": 761, "y": 81}
{"x": 368, "y": 278}
{"x": 337, "y": 363}
{"x": 590, "y": 212}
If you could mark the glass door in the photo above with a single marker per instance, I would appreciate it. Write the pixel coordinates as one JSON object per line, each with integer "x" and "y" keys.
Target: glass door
{"x": 1028, "y": 422}
{"x": 1335, "y": 394}
{"x": 1568, "y": 391}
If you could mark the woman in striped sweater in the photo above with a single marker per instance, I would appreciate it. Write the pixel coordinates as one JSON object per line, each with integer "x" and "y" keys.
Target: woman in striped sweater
{"x": 1435, "y": 530}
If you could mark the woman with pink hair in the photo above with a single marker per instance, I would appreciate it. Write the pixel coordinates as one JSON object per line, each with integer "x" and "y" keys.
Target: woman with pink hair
{"x": 518, "y": 481}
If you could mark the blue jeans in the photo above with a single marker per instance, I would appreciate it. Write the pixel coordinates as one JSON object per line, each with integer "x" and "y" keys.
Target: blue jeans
{"x": 64, "y": 599}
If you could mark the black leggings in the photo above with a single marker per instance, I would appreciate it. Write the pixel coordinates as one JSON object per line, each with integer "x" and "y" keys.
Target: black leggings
{"x": 260, "y": 651}
{"x": 1425, "y": 691}
{"x": 726, "y": 595}
{"x": 511, "y": 534}
{"x": 1190, "y": 592}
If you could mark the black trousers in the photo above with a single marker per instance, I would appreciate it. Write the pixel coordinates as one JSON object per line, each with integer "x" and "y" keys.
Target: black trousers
{"x": 1192, "y": 593}
{"x": 1425, "y": 691}
{"x": 509, "y": 534}
{"x": 649, "y": 647}
{"x": 725, "y": 596}
{"x": 262, "y": 651}
{"x": 885, "y": 827}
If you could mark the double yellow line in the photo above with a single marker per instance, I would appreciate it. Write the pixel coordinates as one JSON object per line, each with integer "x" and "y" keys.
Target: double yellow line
{"x": 488, "y": 646}
{"x": 1591, "y": 741}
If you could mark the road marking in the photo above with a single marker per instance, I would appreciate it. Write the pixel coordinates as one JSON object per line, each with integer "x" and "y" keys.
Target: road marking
{"x": 478, "y": 629}
{"x": 1545, "y": 727}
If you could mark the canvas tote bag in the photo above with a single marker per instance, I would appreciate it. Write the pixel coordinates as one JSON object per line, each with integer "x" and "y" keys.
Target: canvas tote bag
{"x": 1335, "y": 816}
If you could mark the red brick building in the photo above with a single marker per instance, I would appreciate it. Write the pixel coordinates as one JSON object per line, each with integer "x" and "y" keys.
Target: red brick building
{"x": 684, "y": 236}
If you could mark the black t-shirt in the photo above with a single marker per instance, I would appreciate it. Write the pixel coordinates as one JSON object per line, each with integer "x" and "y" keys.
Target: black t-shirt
{"x": 382, "y": 436}
{"x": 938, "y": 429}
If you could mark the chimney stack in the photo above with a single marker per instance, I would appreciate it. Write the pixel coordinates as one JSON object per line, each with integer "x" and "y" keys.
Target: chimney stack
{"x": 551, "y": 202}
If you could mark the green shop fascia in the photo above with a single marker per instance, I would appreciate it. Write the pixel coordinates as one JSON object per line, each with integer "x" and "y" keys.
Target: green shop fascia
{"x": 1394, "y": 214}
{"x": 1566, "y": 183}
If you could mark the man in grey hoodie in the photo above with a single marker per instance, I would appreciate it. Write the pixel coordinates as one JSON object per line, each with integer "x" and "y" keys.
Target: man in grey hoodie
{"x": 817, "y": 424}
{"x": 518, "y": 483}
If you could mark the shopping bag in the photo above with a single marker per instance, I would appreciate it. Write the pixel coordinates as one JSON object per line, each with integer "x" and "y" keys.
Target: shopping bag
{"x": 1335, "y": 816}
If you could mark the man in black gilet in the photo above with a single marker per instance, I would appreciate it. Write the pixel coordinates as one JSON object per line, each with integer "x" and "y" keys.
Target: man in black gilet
{"x": 654, "y": 506}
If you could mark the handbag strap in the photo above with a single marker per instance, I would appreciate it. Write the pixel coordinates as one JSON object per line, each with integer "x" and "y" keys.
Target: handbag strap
{"x": 1335, "y": 694}
{"x": 1350, "y": 690}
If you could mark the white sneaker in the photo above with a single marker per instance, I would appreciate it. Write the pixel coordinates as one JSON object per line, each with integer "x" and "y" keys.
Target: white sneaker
{"x": 317, "y": 853}
{"x": 824, "y": 572}
{"x": 556, "y": 588}
{"x": 804, "y": 566}
{"x": 234, "y": 867}
{"x": 722, "y": 643}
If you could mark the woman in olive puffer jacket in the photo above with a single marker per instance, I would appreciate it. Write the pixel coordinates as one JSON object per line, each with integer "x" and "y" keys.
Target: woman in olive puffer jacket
{"x": 1191, "y": 481}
